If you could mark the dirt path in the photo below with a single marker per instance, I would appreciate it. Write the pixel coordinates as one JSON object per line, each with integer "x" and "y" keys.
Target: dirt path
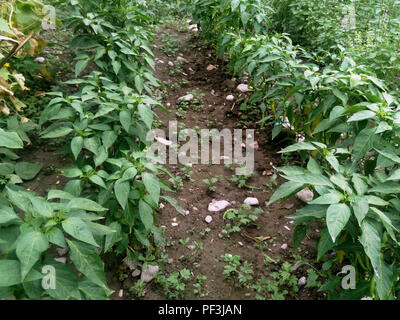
{"x": 188, "y": 244}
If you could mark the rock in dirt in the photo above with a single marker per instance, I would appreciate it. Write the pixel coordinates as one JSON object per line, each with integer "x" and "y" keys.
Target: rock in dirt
{"x": 302, "y": 281}
{"x": 230, "y": 98}
{"x": 149, "y": 273}
{"x": 40, "y": 60}
{"x": 136, "y": 273}
{"x": 216, "y": 206}
{"x": 188, "y": 97}
{"x": 251, "y": 201}
{"x": 284, "y": 246}
{"x": 193, "y": 28}
{"x": 170, "y": 63}
{"x": 305, "y": 195}
{"x": 61, "y": 260}
{"x": 208, "y": 219}
{"x": 121, "y": 293}
{"x": 182, "y": 59}
{"x": 211, "y": 67}
{"x": 243, "y": 88}
{"x": 131, "y": 264}
{"x": 61, "y": 252}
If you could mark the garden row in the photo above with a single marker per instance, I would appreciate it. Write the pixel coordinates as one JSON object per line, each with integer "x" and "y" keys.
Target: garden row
{"x": 348, "y": 125}
{"x": 110, "y": 200}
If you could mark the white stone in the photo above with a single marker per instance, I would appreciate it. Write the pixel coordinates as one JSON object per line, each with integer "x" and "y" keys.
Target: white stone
{"x": 208, "y": 219}
{"x": 302, "y": 281}
{"x": 284, "y": 246}
{"x": 287, "y": 228}
{"x": 216, "y": 206}
{"x": 170, "y": 63}
{"x": 251, "y": 201}
{"x": 61, "y": 260}
{"x": 149, "y": 273}
{"x": 193, "y": 28}
{"x": 188, "y": 97}
{"x": 61, "y": 251}
{"x": 174, "y": 224}
{"x": 136, "y": 273}
{"x": 243, "y": 88}
{"x": 305, "y": 195}
{"x": 182, "y": 59}
{"x": 121, "y": 293}
{"x": 40, "y": 60}
{"x": 230, "y": 98}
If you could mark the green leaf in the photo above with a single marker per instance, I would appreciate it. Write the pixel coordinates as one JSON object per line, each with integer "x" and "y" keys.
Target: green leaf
{"x": 371, "y": 241}
{"x": 325, "y": 243}
{"x": 146, "y": 214}
{"x": 389, "y": 155}
{"x": 360, "y": 208}
{"x": 299, "y": 146}
{"x": 88, "y": 262}
{"x": 113, "y": 238}
{"x": 126, "y": 120}
{"x": 66, "y": 283}
{"x": 27, "y": 171}
{"x": 85, "y": 204}
{"x": 388, "y": 187}
{"x": 364, "y": 143}
{"x": 30, "y": 246}
{"x": 362, "y": 115}
{"x": 98, "y": 180}
{"x": 285, "y": 190}
{"x": 146, "y": 114}
{"x": 10, "y": 273}
{"x": 57, "y": 132}
{"x": 332, "y": 197}
{"x": 310, "y": 178}
{"x": 4, "y": 27}
{"x": 80, "y": 66}
{"x": 6, "y": 169}
{"x": 152, "y": 186}
{"x": 8, "y": 215}
{"x": 173, "y": 202}
{"x": 122, "y": 189}
{"x": 56, "y": 236}
{"x": 76, "y": 146}
{"x": 108, "y": 138}
{"x": 41, "y": 206}
{"x": 91, "y": 290}
{"x": 77, "y": 228}
{"x": 10, "y": 140}
{"x": 129, "y": 174}
{"x": 139, "y": 83}
{"x": 337, "y": 217}
{"x": 359, "y": 185}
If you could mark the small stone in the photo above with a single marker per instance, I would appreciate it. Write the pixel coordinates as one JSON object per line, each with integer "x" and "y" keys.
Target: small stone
{"x": 367, "y": 298}
{"x": 230, "y": 98}
{"x": 162, "y": 206}
{"x": 40, "y": 60}
{"x": 191, "y": 247}
{"x": 182, "y": 59}
{"x": 240, "y": 243}
{"x": 284, "y": 246}
{"x": 61, "y": 251}
{"x": 211, "y": 67}
{"x": 193, "y": 28}
{"x": 174, "y": 224}
{"x": 208, "y": 219}
{"x": 243, "y": 88}
{"x": 302, "y": 281}
{"x": 149, "y": 273}
{"x": 216, "y": 206}
{"x": 195, "y": 209}
{"x": 161, "y": 61}
{"x": 121, "y": 293}
{"x": 170, "y": 63}
{"x": 289, "y": 206}
{"x": 168, "y": 104}
{"x": 186, "y": 212}
{"x": 247, "y": 294}
{"x": 251, "y": 201}
{"x": 220, "y": 236}
{"x": 188, "y": 97}
{"x": 61, "y": 260}
{"x": 131, "y": 264}
{"x": 287, "y": 228}
{"x": 305, "y": 195}
{"x": 170, "y": 261}
{"x": 136, "y": 273}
